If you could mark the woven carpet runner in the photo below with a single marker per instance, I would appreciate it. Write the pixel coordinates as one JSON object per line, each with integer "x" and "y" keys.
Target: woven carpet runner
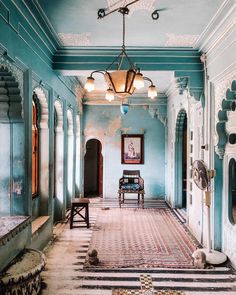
{"x": 141, "y": 238}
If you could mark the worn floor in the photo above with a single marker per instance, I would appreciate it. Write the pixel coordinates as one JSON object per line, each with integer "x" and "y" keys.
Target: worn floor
{"x": 65, "y": 274}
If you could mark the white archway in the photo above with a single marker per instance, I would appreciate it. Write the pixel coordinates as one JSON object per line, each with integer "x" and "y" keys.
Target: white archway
{"x": 70, "y": 157}
{"x": 59, "y": 204}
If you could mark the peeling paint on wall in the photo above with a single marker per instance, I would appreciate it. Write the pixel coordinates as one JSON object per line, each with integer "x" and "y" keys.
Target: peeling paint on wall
{"x": 17, "y": 187}
{"x": 114, "y": 126}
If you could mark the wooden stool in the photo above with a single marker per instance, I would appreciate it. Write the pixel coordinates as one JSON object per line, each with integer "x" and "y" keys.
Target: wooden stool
{"x": 77, "y": 205}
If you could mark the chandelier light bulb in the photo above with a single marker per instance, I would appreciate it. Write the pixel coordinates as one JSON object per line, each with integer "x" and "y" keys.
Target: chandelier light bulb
{"x": 152, "y": 91}
{"x": 110, "y": 95}
{"x": 138, "y": 81}
{"x": 89, "y": 85}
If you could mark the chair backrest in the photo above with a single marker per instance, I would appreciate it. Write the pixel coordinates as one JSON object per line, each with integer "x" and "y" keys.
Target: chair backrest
{"x": 131, "y": 173}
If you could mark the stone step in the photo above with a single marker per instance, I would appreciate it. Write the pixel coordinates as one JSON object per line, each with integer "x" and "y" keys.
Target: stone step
{"x": 131, "y": 284}
{"x": 72, "y": 274}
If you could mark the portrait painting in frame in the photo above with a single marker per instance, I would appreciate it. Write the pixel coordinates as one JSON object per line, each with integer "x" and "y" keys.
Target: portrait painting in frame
{"x": 132, "y": 149}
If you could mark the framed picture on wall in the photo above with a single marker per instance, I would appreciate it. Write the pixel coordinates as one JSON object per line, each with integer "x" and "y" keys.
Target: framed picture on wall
{"x": 132, "y": 151}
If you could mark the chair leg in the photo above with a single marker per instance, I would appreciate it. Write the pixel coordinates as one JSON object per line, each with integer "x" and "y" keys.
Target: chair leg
{"x": 87, "y": 215}
{"x": 71, "y": 217}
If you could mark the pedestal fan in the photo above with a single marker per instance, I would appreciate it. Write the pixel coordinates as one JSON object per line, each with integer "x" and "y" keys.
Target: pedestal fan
{"x": 202, "y": 178}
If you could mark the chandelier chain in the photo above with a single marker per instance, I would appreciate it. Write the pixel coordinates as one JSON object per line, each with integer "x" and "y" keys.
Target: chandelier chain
{"x": 123, "y": 45}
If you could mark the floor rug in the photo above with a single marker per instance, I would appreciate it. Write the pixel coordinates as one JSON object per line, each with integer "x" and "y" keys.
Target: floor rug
{"x": 142, "y": 238}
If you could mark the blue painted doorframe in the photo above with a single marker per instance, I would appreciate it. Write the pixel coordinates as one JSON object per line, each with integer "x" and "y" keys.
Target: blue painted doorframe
{"x": 178, "y": 201}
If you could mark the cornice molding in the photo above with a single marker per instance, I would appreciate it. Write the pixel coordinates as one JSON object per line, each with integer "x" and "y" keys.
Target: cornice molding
{"x": 154, "y": 59}
{"x": 33, "y": 7}
{"x": 99, "y": 99}
{"x": 223, "y": 20}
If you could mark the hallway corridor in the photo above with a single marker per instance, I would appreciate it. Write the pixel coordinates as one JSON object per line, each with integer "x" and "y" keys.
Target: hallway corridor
{"x": 67, "y": 272}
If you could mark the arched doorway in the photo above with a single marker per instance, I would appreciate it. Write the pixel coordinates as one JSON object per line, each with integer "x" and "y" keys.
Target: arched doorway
{"x": 93, "y": 169}
{"x": 181, "y": 161}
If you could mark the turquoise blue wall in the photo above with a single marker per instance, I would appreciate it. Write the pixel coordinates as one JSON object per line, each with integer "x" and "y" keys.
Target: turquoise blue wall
{"x": 25, "y": 45}
{"x": 106, "y": 123}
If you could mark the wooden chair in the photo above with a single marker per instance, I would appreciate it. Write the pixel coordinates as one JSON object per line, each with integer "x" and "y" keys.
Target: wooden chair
{"x": 77, "y": 205}
{"x": 131, "y": 183}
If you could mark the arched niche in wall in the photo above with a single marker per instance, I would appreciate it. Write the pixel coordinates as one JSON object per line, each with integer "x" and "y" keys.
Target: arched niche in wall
{"x": 232, "y": 191}
{"x": 40, "y": 205}
{"x": 70, "y": 157}
{"x": 59, "y": 204}
{"x": 181, "y": 160}
{"x": 93, "y": 169}
{"x": 12, "y": 153}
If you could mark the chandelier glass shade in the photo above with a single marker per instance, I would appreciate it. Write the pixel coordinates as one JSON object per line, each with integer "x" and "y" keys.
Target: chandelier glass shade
{"x": 122, "y": 82}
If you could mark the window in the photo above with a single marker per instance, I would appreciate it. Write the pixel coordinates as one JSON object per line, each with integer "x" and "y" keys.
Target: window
{"x": 35, "y": 151}
{"x": 232, "y": 191}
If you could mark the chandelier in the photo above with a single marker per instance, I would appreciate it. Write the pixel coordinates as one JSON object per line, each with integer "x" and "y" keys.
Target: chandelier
{"x": 122, "y": 82}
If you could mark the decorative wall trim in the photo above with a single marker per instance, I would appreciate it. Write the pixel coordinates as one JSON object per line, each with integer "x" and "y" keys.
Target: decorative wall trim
{"x": 11, "y": 226}
{"x": 8, "y": 62}
{"x": 10, "y": 96}
{"x": 158, "y": 113}
{"x": 224, "y": 103}
{"x": 183, "y": 84}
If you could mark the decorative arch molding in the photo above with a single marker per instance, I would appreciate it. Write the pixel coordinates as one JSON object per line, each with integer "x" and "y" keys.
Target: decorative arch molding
{"x": 43, "y": 149}
{"x": 226, "y": 106}
{"x": 43, "y": 107}
{"x": 179, "y": 132}
{"x": 14, "y": 70}
{"x": 180, "y": 124}
{"x": 59, "y": 111}
{"x": 10, "y": 97}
